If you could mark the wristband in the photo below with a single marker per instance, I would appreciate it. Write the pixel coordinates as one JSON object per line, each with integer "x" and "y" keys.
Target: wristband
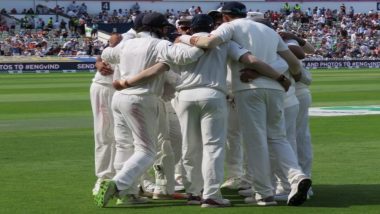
{"x": 281, "y": 78}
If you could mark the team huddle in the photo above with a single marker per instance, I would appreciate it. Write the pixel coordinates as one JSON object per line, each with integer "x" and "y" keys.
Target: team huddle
{"x": 230, "y": 92}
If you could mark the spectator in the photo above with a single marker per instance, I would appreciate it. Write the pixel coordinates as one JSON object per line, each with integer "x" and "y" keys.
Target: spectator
{"x": 40, "y": 24}
{"x": 198, "y": 10}
{"x": 135, "y": 7}
{"x": 192, "y": 10}
{"x": 72, "y": 6}
{"x": 94, "y": 31}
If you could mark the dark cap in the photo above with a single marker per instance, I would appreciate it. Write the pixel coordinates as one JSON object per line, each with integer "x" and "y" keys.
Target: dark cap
{"x": 234, "y": 8}
{"x": 213, "y": 12}
{"x": 155, "y": 20}
{"x": 185, "y": 20}
{"x": 201, "y": 20}
{"x": 138, "y": 21}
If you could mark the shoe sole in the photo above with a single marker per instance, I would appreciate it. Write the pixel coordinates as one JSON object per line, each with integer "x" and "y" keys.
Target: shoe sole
{"x": 174, "y": 196}
{"x": 272, "y": 203}
{"x": 179, "y": 188}
{"x": 214, "y": 206}
{"x": 105, "y": 194}
{"x": 131, "y": 203}
{"x": 261, "y": 203}
{"x": 301, "y": 195}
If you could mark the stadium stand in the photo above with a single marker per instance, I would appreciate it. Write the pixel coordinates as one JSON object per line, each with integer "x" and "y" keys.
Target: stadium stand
{"x": 335, "y": 32}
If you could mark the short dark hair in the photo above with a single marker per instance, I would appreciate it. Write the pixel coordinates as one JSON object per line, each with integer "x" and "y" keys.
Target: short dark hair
{"x": 232, "y": 15}
{"x": 155, "y": 30}
{"x": 202, "y": 23}
{"x": 234, "y": 9}
{"x": 206, "y": 29}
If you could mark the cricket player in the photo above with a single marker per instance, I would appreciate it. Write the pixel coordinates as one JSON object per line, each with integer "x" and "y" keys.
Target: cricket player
{"x": 101, "y": 93}
{"x": 202, "y": 111}
{"x": 137, "y": 107}
{"x": 125, "y": 147}
{"x": 260, "y": 103}
{"x": 303, "y": 138}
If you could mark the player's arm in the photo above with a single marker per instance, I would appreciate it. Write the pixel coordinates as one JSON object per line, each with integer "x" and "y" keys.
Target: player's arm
{"x": 290, "y": 58}
{"x": 201, "y": 41}
{"x": 259, "y": 66}
{"x": 178, "y": 54}
{"x": 297, "y": 51}
{"x": 112, "y": 54}
{"x": 141, "y": 77}
{"x": 306, "y": 46}
{"x": 222, "y": 34}
{"x": 256, "y": 67}
{"x": 101, "y": 63}
{"x": 293, "y": 62}
{"x": 103, "y": 67}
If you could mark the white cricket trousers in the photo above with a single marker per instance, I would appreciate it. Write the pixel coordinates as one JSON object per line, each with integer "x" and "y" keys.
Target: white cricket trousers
{"x": 164, "y": 164}
{"x": 174, "y": 132}
{"x": 101, "y": 98}
{"x": 304, "y": 147}
{"x": 290, "y": 113}
{"x": 234, "y": 147}
{"x": 140, "y": 114}
{"x": 175, "y": 138}
{"x": 261, "y": 116}
{"x": 204, "y": 130}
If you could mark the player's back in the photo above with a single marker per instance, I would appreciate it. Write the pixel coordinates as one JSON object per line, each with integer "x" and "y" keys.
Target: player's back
{"x": 137, "y": 55}
{"x": 259, "y": 39}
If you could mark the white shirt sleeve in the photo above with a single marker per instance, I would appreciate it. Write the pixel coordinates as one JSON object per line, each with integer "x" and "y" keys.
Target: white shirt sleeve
{"x": 224, "y": 32}
{"x": 282, "y": 46}
{"x": 235, "y": 51}
{"x": 178, "y": 54}
{"x": 131, "y": 34}
{"x": 116, "y": 72}
{"x": 112, "y": 55}
{"x": 292, "y": 42}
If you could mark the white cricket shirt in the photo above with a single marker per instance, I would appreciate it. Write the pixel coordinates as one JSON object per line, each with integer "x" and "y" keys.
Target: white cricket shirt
{"x": 135, "y": 55}
{"x": 208, "y": 75}
{"x": 262, "y": 41}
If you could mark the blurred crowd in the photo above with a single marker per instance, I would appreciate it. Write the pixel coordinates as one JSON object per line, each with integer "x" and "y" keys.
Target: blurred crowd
{"x": 49, "y": 43}
{"x": 335, "y": 32}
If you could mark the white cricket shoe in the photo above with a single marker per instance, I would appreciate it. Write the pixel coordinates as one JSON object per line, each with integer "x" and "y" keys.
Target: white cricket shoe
{"x": 179, "y": 183}
{"x": 268, "y": 201}
{"x": 96, "y": 188}
{"x": 300, "y": 188}
{"x": 131, "y": 199}
{"x": 231, "y": 183}
{"x": 148, "y": 186}
{"x": 214, "y": 203}
{"x": 236, "y": 183}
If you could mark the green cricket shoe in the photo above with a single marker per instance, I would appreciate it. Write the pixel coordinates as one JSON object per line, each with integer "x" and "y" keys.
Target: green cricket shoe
{"x": 106, "y": 192}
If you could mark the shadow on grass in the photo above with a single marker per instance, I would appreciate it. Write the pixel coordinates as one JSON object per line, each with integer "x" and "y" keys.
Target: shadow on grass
{"x": 330, "y": 196}
{"x": 334, "y": 196}
{"x": 344, "y": 195}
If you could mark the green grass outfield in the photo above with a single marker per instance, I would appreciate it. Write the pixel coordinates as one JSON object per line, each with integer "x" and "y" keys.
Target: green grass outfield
{"x": 46, "y": 148}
